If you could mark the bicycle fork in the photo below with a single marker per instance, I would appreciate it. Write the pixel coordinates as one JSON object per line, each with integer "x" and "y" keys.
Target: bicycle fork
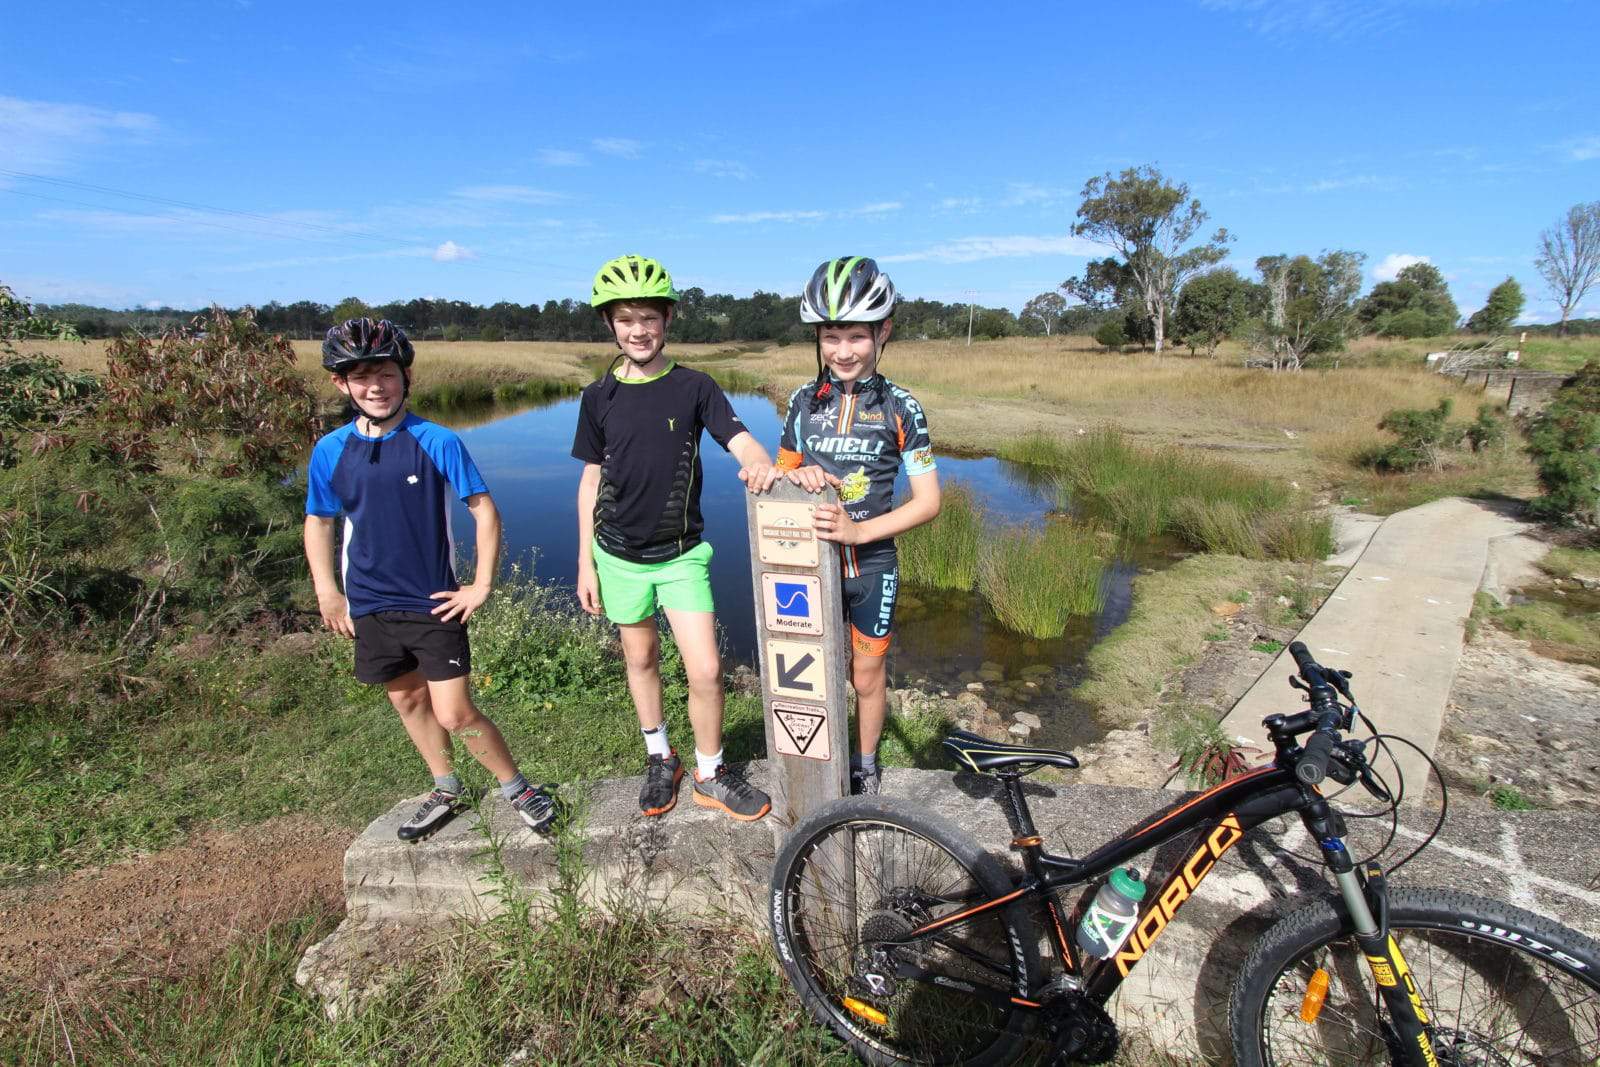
{"x": 1364, "y": 893}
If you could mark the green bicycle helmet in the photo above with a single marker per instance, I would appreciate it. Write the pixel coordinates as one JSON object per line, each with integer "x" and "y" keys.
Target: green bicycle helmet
{"x": 847, "y": 289}
{"x": 632, "y": 278}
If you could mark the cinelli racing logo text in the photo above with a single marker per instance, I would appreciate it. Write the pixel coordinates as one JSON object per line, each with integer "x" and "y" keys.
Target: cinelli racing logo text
{"x": 1184, "y": 881}
{"x": 835, "y": 446}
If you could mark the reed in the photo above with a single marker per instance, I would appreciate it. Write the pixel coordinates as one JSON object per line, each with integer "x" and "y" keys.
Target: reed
{"x": 943, "y": 554}
{"x": 1037, "y": 580}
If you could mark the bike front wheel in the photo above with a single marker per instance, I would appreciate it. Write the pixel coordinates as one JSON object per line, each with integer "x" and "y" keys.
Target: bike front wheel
{"x": 863, "y": 872}
{"x": 1502, "y": 987}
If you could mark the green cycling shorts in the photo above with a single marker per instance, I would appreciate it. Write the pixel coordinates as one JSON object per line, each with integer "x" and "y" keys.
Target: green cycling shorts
{"x": 629, "y": 591}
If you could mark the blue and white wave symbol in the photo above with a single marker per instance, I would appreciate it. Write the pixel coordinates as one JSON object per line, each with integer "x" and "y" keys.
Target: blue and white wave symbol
{"x": 792, "y": 600}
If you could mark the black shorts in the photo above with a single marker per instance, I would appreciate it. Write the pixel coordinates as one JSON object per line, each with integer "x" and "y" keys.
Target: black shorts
{"x": 869, "y": 605}
{"x": 392, "y": 643}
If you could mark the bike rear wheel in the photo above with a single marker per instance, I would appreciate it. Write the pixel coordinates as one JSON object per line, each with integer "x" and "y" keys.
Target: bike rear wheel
{"x": 863, "y": 870}
{"x": 1502, "y": 987}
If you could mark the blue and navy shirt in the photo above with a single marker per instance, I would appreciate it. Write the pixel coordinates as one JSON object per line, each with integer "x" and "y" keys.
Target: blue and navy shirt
{"x": 394, "y": 492}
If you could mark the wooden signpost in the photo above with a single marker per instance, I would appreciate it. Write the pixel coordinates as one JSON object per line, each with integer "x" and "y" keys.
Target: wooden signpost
{"x": 803, "y": 651}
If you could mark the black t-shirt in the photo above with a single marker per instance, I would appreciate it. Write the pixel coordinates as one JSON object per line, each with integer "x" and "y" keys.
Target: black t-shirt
{"x": 645, "y": 434}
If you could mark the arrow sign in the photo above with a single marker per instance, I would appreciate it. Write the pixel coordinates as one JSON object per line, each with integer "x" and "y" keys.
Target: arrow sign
{"x": 790, "y": 675}
{"x": 795, "y": 669}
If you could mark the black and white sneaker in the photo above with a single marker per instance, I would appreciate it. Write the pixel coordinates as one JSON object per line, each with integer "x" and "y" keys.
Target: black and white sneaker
{"x": 864, "y": 783}
{"x": 536, "y": 808}
{"x": 439, "y": 808}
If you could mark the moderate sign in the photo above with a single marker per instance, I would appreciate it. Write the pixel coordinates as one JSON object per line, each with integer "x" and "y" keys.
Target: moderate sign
{"x": 784, "y": 533}
{"x": 802, "y": 729}
{"x": 792, "y": 603}
{"x": 796, "y": 669}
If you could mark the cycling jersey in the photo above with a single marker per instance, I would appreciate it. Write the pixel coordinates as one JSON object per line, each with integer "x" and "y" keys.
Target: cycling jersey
{"x": 394, "y": 492}
{"x": 863, "y": 438}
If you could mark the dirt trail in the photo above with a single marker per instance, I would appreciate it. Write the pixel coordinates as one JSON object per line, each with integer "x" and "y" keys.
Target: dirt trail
{"x": 170, "y": 912}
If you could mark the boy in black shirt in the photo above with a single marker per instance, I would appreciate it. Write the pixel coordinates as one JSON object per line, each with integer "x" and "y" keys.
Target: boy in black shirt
{"x": 639, "y": 526}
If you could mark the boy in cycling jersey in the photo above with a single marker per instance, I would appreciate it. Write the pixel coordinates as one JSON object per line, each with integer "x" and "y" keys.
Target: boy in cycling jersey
{"x": 853, "y": 429}
{"x": 392, "y": 474}
{"x": 639, "y": 526}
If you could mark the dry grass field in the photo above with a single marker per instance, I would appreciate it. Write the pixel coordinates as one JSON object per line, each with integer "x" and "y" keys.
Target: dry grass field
{"x": 1309, "y": 427}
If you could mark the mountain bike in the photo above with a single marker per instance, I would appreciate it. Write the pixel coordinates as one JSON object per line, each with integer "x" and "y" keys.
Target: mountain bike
{"x": 916, "y": 946}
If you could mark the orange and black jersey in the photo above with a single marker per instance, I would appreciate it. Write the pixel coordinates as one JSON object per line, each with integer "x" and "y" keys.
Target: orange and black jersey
{"x": 645, "y": 435}
{"x": 863, "y": 438}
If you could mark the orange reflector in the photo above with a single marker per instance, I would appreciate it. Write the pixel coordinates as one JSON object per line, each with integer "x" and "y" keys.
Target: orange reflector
{"x": 1316, "y": 994}
{"x": 866, "y": 1011}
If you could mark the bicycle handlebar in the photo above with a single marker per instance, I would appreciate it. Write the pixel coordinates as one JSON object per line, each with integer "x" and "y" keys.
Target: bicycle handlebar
{"x": 1312, "y": 766}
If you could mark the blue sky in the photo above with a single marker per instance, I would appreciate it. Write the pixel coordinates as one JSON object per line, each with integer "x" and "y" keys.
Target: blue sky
{"x": 503, "y": 151}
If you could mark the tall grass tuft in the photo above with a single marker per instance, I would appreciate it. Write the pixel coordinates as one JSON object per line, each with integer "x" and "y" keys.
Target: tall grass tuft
{"x": 943, "y": 554}
{"x": 1209, "y": 504}
{"x": 1037, "y": 580}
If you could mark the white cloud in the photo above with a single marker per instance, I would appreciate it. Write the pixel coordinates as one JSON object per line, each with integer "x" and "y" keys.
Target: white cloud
{"x": 1583, "y": 148}
{"x": 152, "y": 305}
{"x": 880, "y": 208}
{"x": 1328, "y": 185}
{"x": 38, "y": 135}
{"x": 722, "y": 168}
{"x": 561, "y": 157}
{"x": 1389, "y": 267}
{"x": 771, "y": 216}
{"x": 1345, "y": 19}
{"x": 961, "y": 203}
{"x": 1024, "y": 193}
{"x": 621, "y": 147}
{"x": 508, "y": 194}
{"x": 971, "y": 249}
{"x": 450, "y": 252}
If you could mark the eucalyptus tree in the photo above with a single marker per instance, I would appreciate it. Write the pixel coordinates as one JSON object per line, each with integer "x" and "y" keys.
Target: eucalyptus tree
{"x": 1569, "y": 257}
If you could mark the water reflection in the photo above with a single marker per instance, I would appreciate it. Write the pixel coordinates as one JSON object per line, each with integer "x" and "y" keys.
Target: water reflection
{"x": 946, "y": 640}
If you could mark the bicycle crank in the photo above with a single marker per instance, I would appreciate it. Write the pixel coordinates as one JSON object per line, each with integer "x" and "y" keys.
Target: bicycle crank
{"x": 1080, "y": 1029}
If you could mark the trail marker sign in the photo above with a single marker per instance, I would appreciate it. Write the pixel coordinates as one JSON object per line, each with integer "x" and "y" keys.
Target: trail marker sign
{"x": 784, "y": 532}
{"x": 804, "y": 655}
{"x": 792, "y": 603}
{"x": 796, "y": 669}
{"x": 802, "y": 729}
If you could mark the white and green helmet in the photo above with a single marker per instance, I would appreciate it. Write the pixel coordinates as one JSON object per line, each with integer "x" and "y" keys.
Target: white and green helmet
{"x": 847, "y": 289}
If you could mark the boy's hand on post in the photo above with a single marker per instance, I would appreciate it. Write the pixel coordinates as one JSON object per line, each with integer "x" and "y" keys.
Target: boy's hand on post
{"x": 336, "y": 613}
{"x": 588, "y": 588}
{"x": 759, "y": 477}
{"x": 833, "y": 523}
{"x": 463, "y": 601}
{"x": 813, "y": 479}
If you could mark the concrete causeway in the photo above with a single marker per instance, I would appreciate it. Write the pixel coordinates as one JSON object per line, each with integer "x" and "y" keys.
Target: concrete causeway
{"x": 1396, "y": 621}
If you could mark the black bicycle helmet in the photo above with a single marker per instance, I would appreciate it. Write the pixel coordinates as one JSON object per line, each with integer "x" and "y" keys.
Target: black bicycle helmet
{"x": 364, "y": 341}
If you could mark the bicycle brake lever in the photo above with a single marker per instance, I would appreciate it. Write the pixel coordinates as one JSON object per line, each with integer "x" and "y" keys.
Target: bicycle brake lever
{"x": 1296, "y": 683}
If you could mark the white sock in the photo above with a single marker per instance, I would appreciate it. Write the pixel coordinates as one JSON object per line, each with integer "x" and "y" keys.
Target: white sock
{"x": 655, "y": 741}
{"x": 706, "y": 766}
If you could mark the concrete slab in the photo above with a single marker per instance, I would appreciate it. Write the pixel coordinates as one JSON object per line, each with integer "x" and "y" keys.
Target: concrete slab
{"x": 703, "y": 865}
{"x": 1396, "y": 621}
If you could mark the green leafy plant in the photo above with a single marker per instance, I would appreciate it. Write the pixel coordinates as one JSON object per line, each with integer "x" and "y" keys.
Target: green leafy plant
{"x": 1424, "y": 434}
{"x": 1565, "y": 443}
{"x": 943, "y": 554}
{"x": 1509, "y": 798}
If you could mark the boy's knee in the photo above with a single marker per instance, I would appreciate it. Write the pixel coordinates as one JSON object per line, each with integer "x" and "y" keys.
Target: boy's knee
{"x": 868, "y": 674}
{"x": 409, "y": 702}
{"x": 641, "y": 657}
{"x": 703, "y": 673}
{"x": 456, "y": 718}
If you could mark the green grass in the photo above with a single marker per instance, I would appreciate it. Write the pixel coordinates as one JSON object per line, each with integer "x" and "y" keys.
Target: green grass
{"x": 1567, "y": 562}
{"x": 1127, "y": 672}
{"x": 1037, "y": 580}
{"x": 943, "y": 554}
{"x": 1553, "y": 630}
{"x": 1509, "y": 798}
{"x": 1267, "y": 645}
{"x": 1211, "y": 505}
{"x": 470, "y": 393}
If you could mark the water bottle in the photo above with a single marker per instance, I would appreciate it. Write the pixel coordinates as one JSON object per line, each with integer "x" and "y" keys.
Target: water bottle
{"x": 1109, "y": 920}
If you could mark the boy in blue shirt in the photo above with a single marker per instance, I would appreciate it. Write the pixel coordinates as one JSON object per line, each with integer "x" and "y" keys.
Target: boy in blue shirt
{"x": 391, "y": 474}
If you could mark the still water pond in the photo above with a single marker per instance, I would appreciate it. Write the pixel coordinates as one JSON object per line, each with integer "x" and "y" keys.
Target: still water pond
{"x": 944, "y": 640}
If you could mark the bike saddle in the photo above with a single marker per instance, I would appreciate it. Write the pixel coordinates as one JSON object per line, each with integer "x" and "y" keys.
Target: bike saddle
{"x": 986, "y": 756}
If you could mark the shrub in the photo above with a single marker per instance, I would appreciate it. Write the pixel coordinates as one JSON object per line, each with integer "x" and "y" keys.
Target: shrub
{"x": 1424, "y": 434}
{"x": 222, "y": 396}
{"x": 1487, "y": 431}
{"x": 1565, "y": 443}
{"x": 1413, "y": 323}
{"x": 943, "y": 554}
{"x": 1112, "y": 334}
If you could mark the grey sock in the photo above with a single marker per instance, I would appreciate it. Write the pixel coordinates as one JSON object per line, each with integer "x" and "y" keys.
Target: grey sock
{"x": 449, "y": 783}
{"x": 515, "y": 788}
{"x": 869, "y": 762}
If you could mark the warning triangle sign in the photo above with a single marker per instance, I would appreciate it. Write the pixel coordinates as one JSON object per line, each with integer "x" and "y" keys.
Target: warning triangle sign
{"x": 798, "y": 728}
